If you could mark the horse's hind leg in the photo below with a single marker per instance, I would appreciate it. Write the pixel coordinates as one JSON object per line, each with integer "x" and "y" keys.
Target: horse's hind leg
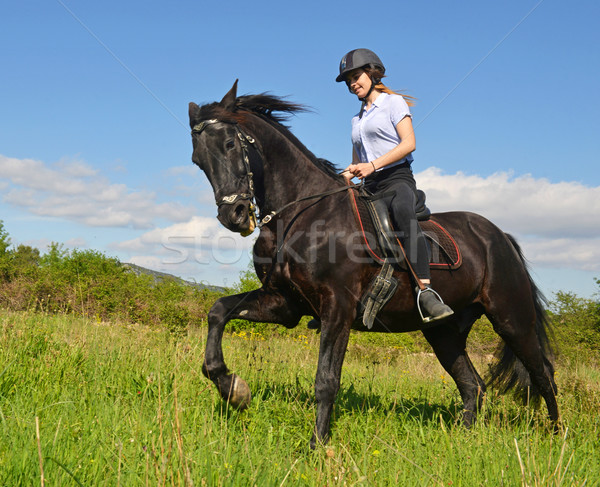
{"x": 518, "y": 330}
{"x": 449, "y": 346}
{"x": 514, "y": 306}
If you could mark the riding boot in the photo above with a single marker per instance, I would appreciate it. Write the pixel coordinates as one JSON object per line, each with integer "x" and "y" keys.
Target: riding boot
{"x": 431, "y": 306}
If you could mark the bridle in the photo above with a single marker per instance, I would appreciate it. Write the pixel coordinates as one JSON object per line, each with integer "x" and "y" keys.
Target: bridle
{"x": 231, "y": 199}
{"x": 243, "y": 138}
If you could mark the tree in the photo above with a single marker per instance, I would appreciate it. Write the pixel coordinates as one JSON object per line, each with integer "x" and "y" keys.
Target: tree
{"x": 4, "y": 239}
{"x": 26, "y": 256}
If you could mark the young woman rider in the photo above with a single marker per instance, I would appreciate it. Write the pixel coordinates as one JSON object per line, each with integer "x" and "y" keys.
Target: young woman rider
{"x": 383, "y": 141}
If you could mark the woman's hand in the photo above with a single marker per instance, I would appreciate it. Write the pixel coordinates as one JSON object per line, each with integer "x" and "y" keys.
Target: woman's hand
{"x": 347, "y": 174}
{"x": 360, "y": 170}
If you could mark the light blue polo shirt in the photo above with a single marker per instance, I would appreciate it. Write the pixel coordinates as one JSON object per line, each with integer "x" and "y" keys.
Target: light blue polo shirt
{"x": 375, "y": 133}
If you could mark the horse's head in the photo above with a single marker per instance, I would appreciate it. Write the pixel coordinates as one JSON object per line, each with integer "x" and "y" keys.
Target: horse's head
{"x": 221, "y": 151}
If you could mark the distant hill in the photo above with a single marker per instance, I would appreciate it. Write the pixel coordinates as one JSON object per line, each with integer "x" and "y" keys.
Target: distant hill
{"x": 163, "y": 276}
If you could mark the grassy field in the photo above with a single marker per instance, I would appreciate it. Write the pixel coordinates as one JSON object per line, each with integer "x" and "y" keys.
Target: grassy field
{"x": 91, "y": 403}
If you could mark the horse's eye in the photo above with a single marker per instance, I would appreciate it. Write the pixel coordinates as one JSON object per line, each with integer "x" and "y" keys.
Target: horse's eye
{"x": 230, "y": 144}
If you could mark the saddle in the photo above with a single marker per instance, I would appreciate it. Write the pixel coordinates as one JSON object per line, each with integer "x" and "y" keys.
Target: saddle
{"x": 372, "y": 213}
{"x": 380, "y": 237}
{"x": 382, "y": 223}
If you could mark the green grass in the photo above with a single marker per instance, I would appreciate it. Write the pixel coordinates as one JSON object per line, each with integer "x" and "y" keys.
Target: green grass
{"x": 127, "y": 405}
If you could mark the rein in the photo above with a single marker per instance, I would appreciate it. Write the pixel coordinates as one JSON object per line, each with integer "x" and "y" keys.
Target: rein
{"x": 231, "y": 199}
{"x": 270, "y": 216}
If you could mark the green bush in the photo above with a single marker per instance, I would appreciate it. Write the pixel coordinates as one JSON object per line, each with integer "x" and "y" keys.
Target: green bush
{"x": 248, "y": 282}
{"x": 89, "y": 283}
{"x": 577, "y": 323}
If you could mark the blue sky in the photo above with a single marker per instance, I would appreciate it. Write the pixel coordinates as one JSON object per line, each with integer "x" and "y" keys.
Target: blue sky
{"x": 95, "y": 147}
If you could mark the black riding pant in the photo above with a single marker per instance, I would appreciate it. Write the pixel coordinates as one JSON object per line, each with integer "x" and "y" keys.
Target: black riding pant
{"x": 399, "y": 181}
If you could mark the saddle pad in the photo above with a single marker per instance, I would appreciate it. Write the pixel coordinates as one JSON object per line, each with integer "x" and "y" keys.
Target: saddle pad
{"x": 444, "y": 251}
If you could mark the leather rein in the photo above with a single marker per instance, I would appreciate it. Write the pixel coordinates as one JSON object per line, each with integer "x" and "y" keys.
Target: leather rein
{"x": 231, "y": 199}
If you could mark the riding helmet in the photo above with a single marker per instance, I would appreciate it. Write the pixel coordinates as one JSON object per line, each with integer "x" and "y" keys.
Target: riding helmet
{"x": 358, "y": 58}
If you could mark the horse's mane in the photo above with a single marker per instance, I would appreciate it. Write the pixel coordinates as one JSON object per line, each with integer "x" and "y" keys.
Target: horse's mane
{"x": 275, "y": 111}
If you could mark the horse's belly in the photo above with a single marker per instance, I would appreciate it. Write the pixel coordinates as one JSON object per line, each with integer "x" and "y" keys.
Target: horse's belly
{"x": 389, "y": 321}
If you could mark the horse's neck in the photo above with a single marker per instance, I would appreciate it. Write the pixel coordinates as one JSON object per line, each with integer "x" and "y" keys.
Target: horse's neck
{"x": 289, "y": 174}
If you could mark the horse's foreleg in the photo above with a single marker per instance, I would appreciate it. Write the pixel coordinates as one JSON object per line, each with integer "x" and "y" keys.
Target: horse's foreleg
{"x": 253, "y": 306}
{"x": 334, "y": 340}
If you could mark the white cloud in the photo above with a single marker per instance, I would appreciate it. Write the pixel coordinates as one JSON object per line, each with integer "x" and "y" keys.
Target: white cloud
{"x": 524, "y": 204}
{"x": 198, "y": 232}
{"x": 558, "y": 224}
{"x": 74, "y": 191}
{"x": 76, "y": 242}
{"x": 190, "y": 248}
{"x": 582, "y": 254}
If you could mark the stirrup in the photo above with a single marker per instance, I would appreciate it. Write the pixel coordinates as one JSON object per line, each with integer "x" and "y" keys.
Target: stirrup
{"x": 426, "y": 319}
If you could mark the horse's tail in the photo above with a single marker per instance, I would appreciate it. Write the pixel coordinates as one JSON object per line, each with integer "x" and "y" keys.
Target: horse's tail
{"x": 508, "y": 372}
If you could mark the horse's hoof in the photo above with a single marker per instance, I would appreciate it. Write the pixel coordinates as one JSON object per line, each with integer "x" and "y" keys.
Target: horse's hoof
{"x": 240, "y": 397}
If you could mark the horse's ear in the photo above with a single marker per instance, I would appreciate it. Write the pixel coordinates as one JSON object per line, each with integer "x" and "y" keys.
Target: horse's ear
{"x": 228, "y": 101}
{"x": 193, "y": 111}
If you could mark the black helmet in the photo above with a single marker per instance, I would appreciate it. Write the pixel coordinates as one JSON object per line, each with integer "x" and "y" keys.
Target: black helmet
{"x": 358, "y": 58}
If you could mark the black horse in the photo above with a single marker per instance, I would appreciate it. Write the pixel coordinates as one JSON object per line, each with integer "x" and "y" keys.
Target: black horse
{"x": 309, "y": 263}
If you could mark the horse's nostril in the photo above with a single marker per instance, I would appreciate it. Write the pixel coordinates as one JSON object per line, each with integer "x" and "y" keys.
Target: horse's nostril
{"x": 239, "y": 213}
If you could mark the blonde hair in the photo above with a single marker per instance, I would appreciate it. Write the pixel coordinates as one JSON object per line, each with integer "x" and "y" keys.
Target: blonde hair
{"x": 410, "y": 100}
{"x": 377, "y": 74}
